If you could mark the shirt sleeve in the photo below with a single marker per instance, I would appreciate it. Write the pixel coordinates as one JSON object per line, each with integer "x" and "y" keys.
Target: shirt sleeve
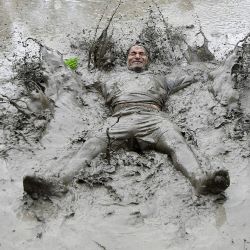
{"x": 175, "y": 83}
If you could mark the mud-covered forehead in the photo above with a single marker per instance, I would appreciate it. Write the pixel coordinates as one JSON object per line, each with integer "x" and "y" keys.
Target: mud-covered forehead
{"x": 138, "y": 45}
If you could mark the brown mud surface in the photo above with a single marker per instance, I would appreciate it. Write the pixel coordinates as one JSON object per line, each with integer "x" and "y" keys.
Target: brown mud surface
{"x": 137, "y": 200}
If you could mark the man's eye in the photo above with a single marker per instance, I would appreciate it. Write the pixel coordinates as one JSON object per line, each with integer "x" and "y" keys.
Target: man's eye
{"x": 132, "y": 54}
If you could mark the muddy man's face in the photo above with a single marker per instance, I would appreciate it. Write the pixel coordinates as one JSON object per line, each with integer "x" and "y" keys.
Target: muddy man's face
{"x": 137, "y": 59}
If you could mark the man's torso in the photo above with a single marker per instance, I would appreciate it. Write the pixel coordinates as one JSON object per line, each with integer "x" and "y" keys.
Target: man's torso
{"x": 134, "y": 88}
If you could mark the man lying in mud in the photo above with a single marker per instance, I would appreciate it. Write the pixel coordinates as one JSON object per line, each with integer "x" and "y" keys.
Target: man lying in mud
{"x": 136, "y": 98}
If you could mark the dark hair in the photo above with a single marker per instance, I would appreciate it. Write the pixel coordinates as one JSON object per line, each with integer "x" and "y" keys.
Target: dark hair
{"x": 137, "y": 43}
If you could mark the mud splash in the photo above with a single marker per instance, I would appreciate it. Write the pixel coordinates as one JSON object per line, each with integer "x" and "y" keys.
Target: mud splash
{"x": 167, "y": 45}
{"x": 25, "y": 109}
{"x": 242, "y": 82}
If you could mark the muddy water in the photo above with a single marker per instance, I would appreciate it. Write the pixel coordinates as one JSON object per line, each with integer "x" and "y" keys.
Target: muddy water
{"x": 224, "y": 23}
{"x": 159, "y": 213}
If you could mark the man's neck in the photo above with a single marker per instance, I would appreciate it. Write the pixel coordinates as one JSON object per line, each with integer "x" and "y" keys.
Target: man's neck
{"x": 137, "y": 70}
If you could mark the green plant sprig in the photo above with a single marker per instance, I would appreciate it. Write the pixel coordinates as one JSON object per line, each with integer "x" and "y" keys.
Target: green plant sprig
{"x": 72, "y": 63}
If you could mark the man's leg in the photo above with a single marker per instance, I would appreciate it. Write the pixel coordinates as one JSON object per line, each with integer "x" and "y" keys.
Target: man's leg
{"x": 90, "y": 149}
{"x": 172, "y": 142}
{"x": 39, "y": 185}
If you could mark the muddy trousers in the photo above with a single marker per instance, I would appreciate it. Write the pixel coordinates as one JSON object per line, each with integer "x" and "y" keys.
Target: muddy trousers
{"x": 156, "y": 132}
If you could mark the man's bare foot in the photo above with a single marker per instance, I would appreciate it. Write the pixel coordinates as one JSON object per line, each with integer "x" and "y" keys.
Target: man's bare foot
{"x": 214, "y": 183}
{"x": 39, "y": 186}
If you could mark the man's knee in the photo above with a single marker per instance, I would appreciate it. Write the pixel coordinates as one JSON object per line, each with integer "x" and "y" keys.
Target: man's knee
{"x": 171, "y": 139}
{"x": 172, "y": 132}
{"x": 95, "y": 143}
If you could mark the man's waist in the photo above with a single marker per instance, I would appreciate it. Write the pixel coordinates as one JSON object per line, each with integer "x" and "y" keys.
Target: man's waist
{"x": 150, "y": 106}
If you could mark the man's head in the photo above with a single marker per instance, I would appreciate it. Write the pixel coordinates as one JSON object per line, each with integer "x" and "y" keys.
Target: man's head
{"x": 137, "y": 58}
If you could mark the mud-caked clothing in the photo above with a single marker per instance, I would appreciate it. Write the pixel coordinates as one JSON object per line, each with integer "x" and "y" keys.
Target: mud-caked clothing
{"x": 141, "y": 97}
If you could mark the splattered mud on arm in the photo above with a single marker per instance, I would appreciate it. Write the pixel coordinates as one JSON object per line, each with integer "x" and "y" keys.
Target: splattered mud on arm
{"x": 174, "y": 85}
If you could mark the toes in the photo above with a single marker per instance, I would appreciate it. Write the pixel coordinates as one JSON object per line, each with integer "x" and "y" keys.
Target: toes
{"x": 220, "y": 182}
{"x": 215, "y": 183}
{"x": 222, "y": 176}
{"x": 43, "y": 187}
{"x": 35, "y": 184}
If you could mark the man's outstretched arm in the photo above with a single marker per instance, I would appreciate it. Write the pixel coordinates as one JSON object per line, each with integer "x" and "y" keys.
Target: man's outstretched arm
{"x": 175, "y": 84}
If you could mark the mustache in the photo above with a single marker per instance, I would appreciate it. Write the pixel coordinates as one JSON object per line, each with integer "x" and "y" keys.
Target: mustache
{"x": 137, "y": 60}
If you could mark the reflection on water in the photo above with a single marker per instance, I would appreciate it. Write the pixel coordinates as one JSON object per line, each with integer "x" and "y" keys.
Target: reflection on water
{"x": 186, "y": 5}
{"x": 220, "y": 216}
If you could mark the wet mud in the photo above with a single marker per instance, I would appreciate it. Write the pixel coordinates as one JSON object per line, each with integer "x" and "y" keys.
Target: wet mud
{"x": 131, "y": 199}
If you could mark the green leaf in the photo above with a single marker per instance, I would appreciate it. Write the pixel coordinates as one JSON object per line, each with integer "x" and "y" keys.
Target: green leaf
{"x": 72, "y": 63}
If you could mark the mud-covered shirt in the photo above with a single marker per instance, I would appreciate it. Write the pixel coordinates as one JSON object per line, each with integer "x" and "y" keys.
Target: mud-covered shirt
{"x": 146, "y": 87}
